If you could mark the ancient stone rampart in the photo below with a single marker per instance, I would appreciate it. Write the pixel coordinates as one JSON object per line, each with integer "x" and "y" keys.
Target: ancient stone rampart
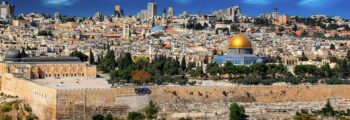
{"x": 300, "y": 93}
{"x": 80, "y": 104}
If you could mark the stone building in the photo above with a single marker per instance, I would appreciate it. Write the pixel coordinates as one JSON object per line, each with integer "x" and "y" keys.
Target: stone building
{"x": 31, "y": 68}
{"x": 38, "y": 79}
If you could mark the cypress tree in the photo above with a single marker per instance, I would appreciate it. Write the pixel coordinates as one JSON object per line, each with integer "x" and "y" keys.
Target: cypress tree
{"x": 125, "y": 61}
{"x": 183, "y": 63}
{"x": 23, "y": 53}
{"x": 91, "y": 58}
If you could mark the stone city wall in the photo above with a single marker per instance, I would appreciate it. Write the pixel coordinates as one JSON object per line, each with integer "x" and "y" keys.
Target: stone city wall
{"x": 300, "y": 93}
{"x": 41, "y": 99}
{"x": 82, "y": 104}
{"x": 261, "y": 102}
{"x": 195, "y": 101}
{"x": 174, "y": 101}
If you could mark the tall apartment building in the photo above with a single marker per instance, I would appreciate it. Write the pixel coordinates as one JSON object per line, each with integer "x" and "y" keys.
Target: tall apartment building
{"x": 7, "y": 10}
{"x": 171, "y": 12}
{"x": 151, "y": 10}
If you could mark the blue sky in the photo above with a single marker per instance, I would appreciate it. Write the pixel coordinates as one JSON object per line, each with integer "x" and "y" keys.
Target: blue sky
{"x": 131, "y": 7}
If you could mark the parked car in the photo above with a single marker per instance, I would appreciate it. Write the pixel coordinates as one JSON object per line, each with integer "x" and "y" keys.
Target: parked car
{"x": 142, "y": 90}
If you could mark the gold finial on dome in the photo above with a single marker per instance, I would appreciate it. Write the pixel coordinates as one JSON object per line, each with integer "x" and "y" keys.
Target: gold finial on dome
{"x": 239, "y": 41}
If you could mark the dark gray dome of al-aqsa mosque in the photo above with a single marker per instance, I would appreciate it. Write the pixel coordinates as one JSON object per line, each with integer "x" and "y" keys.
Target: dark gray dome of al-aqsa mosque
{"x": 13, "y": 55}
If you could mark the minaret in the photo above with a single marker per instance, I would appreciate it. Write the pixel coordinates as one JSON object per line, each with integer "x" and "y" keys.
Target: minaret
{"x": 164, "y": 14}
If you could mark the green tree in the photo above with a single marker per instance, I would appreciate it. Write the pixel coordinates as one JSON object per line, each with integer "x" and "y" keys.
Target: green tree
{"x": 23, "y": 53}
{"x": 304, "y": 115}
{"x": 45, "y": 33}
{"x": 213, "y": 69}
{"x": 295, "y": 28}
{"x": 109, "y": 117}
{"x": 183, "y": 63}
{"x": 237, "y": 112}
{"x": 304, "y": 34}
{"x": 151, "y": 110}
{"x": 304, "y": 57}
{"x": 198, "y": 72}
{"x": 4, "y": 116}
{"x": 91, "y": 58}
{"x": 348, "y": 55}
{"x": 332, "y": 47}
{"x": 125, "y": 61}
{"x": 326, "y": 70}
{"x": 80, "y": 55}
{"x": 215, "y": 52}
{"x": 6, "y": 107}
{"x": 344, "y": 68}
{"x": 306, "y": 71}
{"x": 228, "y": 68}
{"x": 98, "y": 117}
{"x": 108, "y": 62}
{"x": 135, "y": 116}
{"x": 120, "y": 75}
{"x": 259, "y": 69}
{"x": 328, "y": 110}
{"x": 99, "y": 58}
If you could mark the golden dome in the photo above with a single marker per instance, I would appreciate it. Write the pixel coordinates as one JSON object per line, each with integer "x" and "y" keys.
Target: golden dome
{"x": 239, "y": 41}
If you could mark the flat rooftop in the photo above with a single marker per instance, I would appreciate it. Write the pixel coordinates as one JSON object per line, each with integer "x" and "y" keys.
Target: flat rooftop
{"x": 73, "y": 83}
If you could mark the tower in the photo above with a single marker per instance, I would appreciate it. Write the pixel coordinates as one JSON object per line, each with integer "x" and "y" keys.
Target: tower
{"x": 151, "y": 10}
{"x": 275, "y": 13}
{"x": 171, "y": 12}
{"x": 126, "y": 31}
{"x": 98, "y": 17}
{"x": 57, "y": 16}
{"x": 164, "y": 15}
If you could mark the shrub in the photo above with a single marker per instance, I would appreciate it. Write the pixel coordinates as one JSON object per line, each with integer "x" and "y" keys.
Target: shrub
{"x": 174, "y": 93}
{"x": 151, "y": 110}
{"x": 192, "y": 83}
{"x": 28, "y": 109}
{"x": 98, "y": 117}
{"x": 6, "y": 107}
{"x": 187, "y": 118}
{"x": 237, "y": 112}
{"x": 4, "y": 116}
{"x": 224, "y": 93}
{"x": 135, "y": 116}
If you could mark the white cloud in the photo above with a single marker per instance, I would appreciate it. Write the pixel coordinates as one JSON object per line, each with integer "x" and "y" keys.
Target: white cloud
{"x": 316, "y": 3}
{"x": 183, "y": 1}
{"x": 258, "y": 2}
{"x": 59, "y": 2}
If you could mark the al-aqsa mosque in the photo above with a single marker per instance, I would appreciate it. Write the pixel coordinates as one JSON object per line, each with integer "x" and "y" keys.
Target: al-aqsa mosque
{"x": 240, "y": 52}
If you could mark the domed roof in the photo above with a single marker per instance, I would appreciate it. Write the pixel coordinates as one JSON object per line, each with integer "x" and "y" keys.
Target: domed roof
{"x": 12, "y": 53}
{"x": 239, "y": 41}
